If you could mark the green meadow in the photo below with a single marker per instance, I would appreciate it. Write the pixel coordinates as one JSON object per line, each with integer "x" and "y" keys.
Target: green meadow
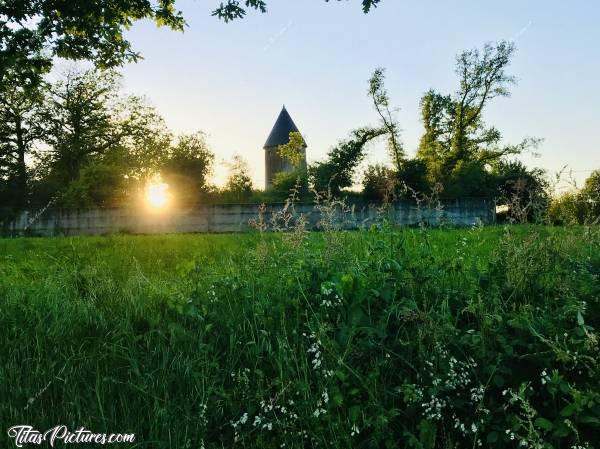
{"x": 382, "y": 338}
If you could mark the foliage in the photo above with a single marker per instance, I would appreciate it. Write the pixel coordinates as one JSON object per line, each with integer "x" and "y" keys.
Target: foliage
{"x": 286, "y": 182}
{"x": 383, "y": 338}
{"x": 232, "y": 10}
{"x": 80, "y": 143}
{"x": 81, "y": 131}
{"x": 100, "y": 184}
{"x": 32, "y": 33}
{"x": 469, "y": 179}
{"x": 239, "y": 182}
{"x": 293, "y": 151}
{"x": 378, "y": 182}
{"x": 567, "y": 208}
{"x": 456, "y": 141}
{"x": 581, "y": 206}
{"x": 87, "y": 129}
{"x": 186, "y": 168}
{"x": 381, "y": 183}
{"x": 413, "y": 176}
{"x": 524, "y": 191}
{"x": 19, "y": 129}
{"x": 82, "y": 121}
{"x": 337, "y": 171}
{"x": 381, "y": 102}
{"x": 591, "y": 194}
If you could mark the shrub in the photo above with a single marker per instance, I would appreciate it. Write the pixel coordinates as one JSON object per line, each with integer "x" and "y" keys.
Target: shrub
{"x": 284, "y": 182}
{"x": 578, "y": 207}
{"x": 413, "y": 175}
{"x": 378, "y": 182}
{"x": 567, "y": 209}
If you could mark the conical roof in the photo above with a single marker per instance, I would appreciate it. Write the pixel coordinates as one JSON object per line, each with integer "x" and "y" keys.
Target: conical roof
{"x": 280, "y": 134}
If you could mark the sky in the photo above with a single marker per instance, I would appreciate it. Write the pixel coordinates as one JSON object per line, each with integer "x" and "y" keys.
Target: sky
{"x": 231, "y": 80}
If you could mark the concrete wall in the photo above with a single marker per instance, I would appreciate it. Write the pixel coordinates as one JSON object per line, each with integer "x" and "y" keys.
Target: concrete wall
{"x": 236, "y": 217}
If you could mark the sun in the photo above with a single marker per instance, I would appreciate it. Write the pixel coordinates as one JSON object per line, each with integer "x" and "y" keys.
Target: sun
{"x": 156, "y": 193}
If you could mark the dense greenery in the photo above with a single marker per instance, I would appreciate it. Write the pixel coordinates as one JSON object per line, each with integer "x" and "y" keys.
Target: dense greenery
{"x": 458, "y": 151}
{"x": 578, "y": 206}
{"x": 239, "y": 183}
{"x": 338, "y": 170}
{"x": 384, "y": 338}
{"x": 79, "y": 142}
{"x": 32, "y": 33}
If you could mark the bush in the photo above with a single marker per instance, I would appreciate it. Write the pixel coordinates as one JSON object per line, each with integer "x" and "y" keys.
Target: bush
{"x": 590, "y": 195}
{"x": 524, "y": 191}
{"x": 469, "y": 179}
{"x": 413, "y": 175}
{"x": 100, "y": 184}
{"x": 239, "y": 183}
{"x": 567, "y": 209}
{"x": 578, "y": 207}
{"x": 378, "y": 182}
{"x": 284, "y": 183}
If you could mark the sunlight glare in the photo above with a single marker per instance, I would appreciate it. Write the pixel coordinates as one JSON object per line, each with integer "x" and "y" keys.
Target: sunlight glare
{"x": 156, "y": 193}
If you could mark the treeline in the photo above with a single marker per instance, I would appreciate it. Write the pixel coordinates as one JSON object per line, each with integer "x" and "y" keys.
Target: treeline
{"x": 458, "y": 156}
{"x": 79, "y": 142}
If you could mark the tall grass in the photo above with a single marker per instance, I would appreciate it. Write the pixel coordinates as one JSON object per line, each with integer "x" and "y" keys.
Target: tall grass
{"x": 382, "y": 338}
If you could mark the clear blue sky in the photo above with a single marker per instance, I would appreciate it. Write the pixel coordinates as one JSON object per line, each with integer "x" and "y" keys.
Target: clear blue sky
{"x": 230, "y": 80}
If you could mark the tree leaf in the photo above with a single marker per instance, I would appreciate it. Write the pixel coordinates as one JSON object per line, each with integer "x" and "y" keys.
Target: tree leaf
{"x": 543, "y": 423}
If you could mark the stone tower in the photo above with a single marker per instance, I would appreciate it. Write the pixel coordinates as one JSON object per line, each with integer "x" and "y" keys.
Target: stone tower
{"x": 280, "y": 135}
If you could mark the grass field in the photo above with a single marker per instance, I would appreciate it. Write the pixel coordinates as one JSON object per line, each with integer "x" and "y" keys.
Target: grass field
{"x": 483, "y": 337}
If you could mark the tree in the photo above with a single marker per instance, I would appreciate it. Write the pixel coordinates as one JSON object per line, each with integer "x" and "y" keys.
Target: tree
{"x": 482, "y": 78}
{"x": 591, "y": 187}
{"x": 468, "y": 179}
{"x": 288, "y": 183}
{"x": 32, "y": 33}
{"x": 523, "y": 190}
{"x": 437, "y": 115}
{"x": 82, "y": 122}
{"x": 381, "y": 102}
{"x": 590, "y": 197}
{"x": 145, "y": 137}
{"x": 456, "y": 141}
{"x": 91, "y": 130}
{"x": 19, "y": 130}
{"x": 378, "y": 182}
{"x": 86, "y": 116}
{"x": 578, "y": 206}
{"x": 101, "y": 183}
{"x": 239, "y": 182}
{"x": 412, "y": 178}
{"x": 293, "y": 151}
{"x": 337, "y": 171}
{"x": 186, "y": 167}
{"x": 567, "y": 209}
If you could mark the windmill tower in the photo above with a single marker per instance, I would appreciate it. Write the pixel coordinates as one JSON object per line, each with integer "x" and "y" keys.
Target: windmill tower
{"x": 280, "y": 135}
